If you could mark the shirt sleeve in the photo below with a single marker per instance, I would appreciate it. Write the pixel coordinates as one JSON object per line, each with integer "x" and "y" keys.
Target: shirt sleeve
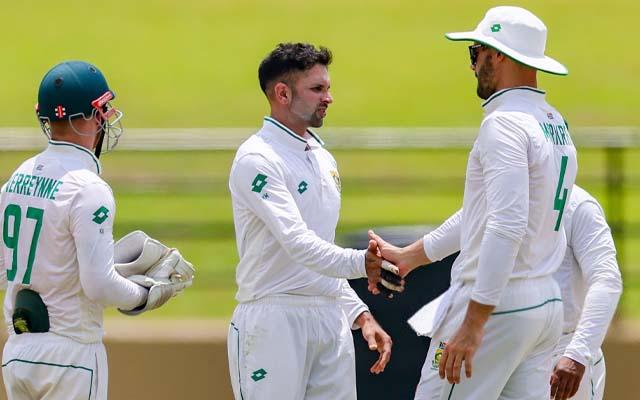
{"x": 503, "y": 152}
{"x": 593, "y": 248}
{"x": 261, "y": 187}
{"x": 91, "y": 219}
{"x": 351, "y": 304}
{"x": 445, "y": 240}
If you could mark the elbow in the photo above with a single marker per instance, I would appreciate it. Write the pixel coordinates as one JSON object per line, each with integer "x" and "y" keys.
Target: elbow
{"x": 617, "y": 285}
{"x": 514, "y": 231}
{"x": 96, "y": 294}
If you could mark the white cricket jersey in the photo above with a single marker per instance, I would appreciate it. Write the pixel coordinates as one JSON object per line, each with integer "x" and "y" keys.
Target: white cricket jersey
{"x": 519, "y": 176}
{"x": 285, "y": 191}
{"x": 589, "y": 277}
{"x": 57, "y": 216}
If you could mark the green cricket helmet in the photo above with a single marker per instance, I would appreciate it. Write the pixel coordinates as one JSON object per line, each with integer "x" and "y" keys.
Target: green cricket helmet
{"x": 76, "y": 89}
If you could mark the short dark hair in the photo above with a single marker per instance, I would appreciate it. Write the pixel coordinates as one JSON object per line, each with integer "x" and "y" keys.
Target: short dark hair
{"x": 288, "y": 58}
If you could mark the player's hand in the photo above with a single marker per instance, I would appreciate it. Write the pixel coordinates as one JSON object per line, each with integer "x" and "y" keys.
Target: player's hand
{"x": 394, "y": 254}
{"x": 372, "y": 263}
{"x": 377, "y": 339}
{"x": 565, "y": 379}
{"x": 460, "y": 348}
{"x": 382, "y": 276}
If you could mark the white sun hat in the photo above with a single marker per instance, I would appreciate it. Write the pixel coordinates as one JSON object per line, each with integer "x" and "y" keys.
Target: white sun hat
{"x": 516, "y": 33}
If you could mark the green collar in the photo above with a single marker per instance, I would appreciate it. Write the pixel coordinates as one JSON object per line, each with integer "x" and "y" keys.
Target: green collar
{"x": 292, "y": 134}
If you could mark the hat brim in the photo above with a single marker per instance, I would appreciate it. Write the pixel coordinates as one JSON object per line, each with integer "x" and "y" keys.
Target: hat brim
{"x": 544, "y": 64}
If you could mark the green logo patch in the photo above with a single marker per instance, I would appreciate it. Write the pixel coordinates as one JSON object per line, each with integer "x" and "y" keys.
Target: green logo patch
{"x": 101, "y": 215}
{"x": 496, "y": 27}
{"x": 259, "y": 183}
{"x": 259, "y": 375}
{"x": 302, "y": 187}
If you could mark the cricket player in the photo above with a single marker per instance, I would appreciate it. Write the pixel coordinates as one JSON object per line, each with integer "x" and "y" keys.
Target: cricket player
{"x": 289, "y": 337}
{"x": 591, "y": 285}
{"x": 56, "y": 216}
{"x": 497, "y": 325}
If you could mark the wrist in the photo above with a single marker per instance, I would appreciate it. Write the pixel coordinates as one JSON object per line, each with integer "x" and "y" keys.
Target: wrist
{"x": 363, "y": 318}
{"x": 477, "y": 314}
{"x": 416, "y": 255}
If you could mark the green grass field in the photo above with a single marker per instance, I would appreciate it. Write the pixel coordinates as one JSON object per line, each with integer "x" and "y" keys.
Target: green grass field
{"x": 193, "y": 63}
{"x": 182, "y": 199}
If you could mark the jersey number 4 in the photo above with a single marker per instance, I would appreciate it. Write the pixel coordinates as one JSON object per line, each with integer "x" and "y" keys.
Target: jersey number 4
{"x": 13, "y": 213}
{"x": 561, "y": 193}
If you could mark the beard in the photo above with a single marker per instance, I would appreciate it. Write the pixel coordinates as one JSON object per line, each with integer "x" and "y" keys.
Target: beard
{"x": 313, "y": 118}
{"x": 486, "y": 87}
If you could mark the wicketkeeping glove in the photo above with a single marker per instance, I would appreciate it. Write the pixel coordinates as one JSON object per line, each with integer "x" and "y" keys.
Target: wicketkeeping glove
{"x": 172, "y": 266}
{"x": 160, "y": 291}
{"x": 390, "y": 280}
{"x": 136, "y": 253}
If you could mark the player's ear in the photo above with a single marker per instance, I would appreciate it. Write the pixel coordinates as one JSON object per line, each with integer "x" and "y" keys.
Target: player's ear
{"x": 282, "y": 93}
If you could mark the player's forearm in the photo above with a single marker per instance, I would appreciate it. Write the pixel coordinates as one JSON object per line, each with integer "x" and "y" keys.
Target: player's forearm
{"x": 323, "y": 257}
{"x": 114, "y": 290}
{"x": 593, "y": 247}
{"x": 414, "y": 254}
{"x": 444, "y": 240}
{"x": 598, "y": 310}
{"x": 352, "y": 305}
{"x": 495, "y": 265}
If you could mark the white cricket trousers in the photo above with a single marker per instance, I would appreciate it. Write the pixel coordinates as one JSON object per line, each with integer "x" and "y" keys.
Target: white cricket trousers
{"x": 513, "y": 361}
{"x": 592, "y": 384}
{"x": 289, "y": 347}
{"x": 47, "y": 366}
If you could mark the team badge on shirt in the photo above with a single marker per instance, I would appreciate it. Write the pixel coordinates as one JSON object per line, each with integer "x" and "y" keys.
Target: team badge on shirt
{"x": 435, "y": 363}
{"x": 336, "y": 179}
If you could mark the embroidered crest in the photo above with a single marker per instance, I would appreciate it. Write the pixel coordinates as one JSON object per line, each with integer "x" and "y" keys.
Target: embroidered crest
{"x": 336, "y": 179}
{"x": 435, "y": 363}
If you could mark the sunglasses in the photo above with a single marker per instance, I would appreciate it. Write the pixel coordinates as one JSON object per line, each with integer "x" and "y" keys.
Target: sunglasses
{"x": 473, "y": 52}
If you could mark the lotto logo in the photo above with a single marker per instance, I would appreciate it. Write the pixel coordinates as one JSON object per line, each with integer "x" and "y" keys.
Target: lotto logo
{"x": 259, "y": 375}
{"x": 100, "y": 215}
{"x": 259, "y": 183}
{"x": 302, "y": 187}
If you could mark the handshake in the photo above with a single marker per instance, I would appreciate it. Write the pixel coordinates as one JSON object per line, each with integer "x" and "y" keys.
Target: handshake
{"x": 383, "y": 276}
{"x": 151, "y": 264}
